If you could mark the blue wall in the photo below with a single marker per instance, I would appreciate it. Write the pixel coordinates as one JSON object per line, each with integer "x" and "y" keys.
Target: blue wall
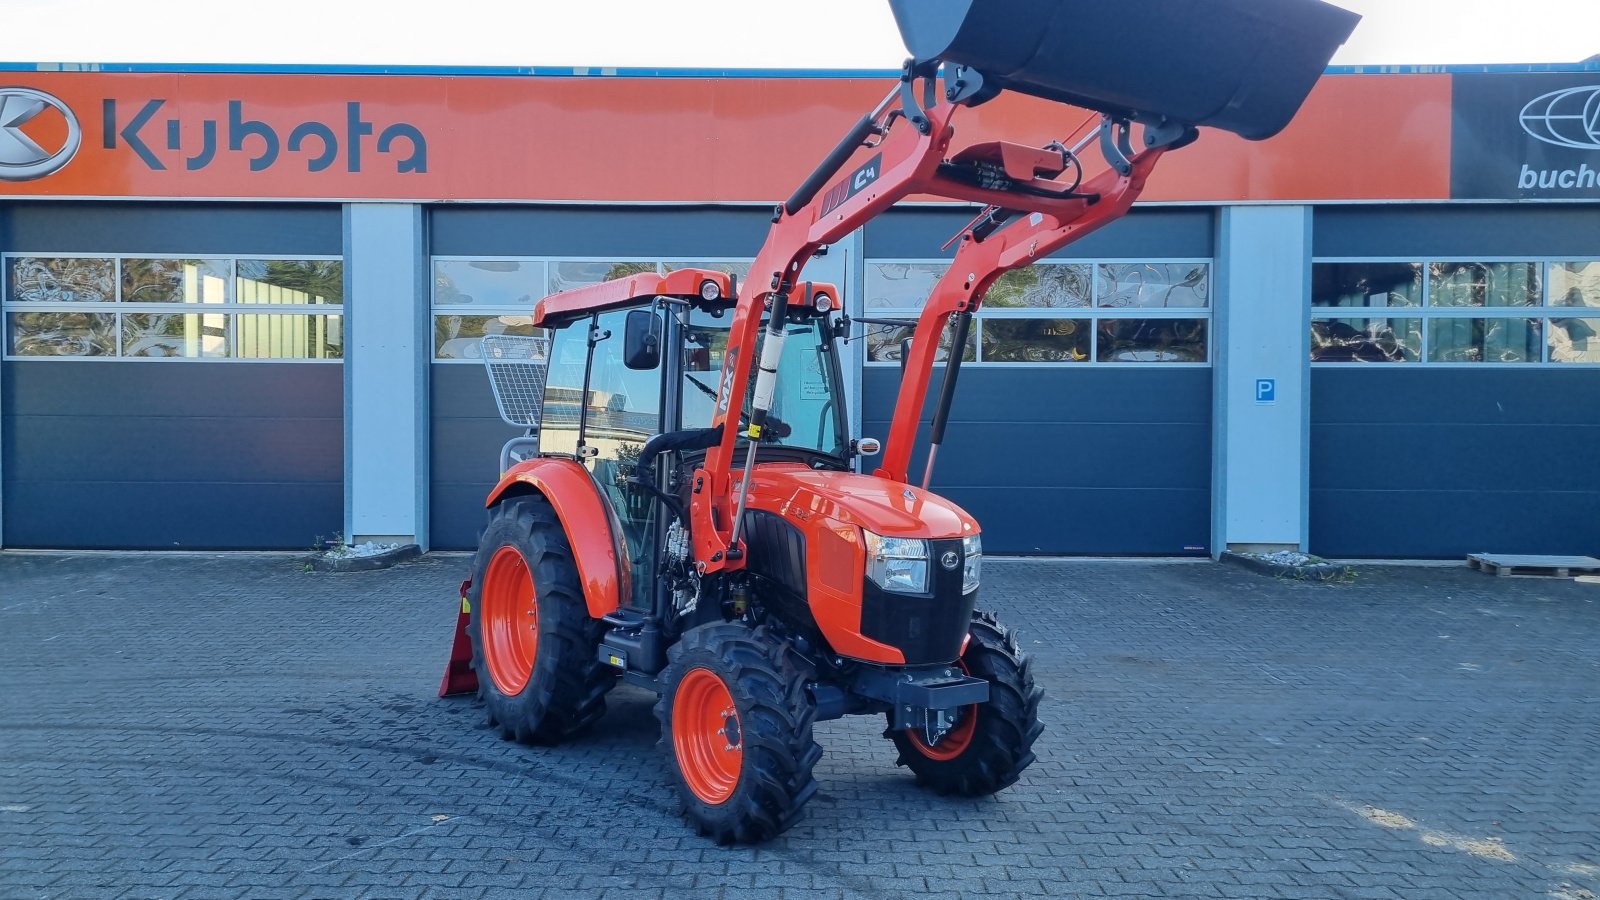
{"x": 191, "y": 228}
{"x": 464, "y": 450}
{"x": 597, "y": 231}
{"x": 1462, "y": 231}
{"x": 1171, "y": 232}
{"x": 1071, "y": 459}
{"x": 171, "y": 455}
{"x": 1445, "y": 462}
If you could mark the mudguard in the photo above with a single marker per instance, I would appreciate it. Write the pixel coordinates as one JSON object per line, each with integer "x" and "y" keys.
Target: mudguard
{"x": 583, "y": 513}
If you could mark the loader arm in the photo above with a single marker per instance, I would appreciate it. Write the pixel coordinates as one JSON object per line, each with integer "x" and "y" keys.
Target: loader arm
{"x": 1024, "y": 238}
{"x": 1222, "y": 63}
{"x": 910, "y": 145}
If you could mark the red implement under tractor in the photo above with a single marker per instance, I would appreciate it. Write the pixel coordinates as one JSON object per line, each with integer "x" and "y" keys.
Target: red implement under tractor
{"x": 688, "y": 511}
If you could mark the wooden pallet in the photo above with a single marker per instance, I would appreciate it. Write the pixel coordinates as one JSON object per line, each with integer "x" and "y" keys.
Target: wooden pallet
{"x": 1519, "y": 564}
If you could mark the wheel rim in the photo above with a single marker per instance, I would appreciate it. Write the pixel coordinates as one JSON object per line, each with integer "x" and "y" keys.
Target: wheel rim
{"x": 706, "y": 736}
{"x": 955, "y": 741}
{"x": 510, "y": 620}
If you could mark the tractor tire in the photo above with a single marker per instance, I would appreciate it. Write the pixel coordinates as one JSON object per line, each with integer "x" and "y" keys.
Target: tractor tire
{"x": 991, "y": 742}
{"x": 534, "y": 645}
{"x": 736, "y": 719}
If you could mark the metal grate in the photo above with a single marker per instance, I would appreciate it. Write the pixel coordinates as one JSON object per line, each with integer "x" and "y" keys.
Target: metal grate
{"x": 517, "y": 368}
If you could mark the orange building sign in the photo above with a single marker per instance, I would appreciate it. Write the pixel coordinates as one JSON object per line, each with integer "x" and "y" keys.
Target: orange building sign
{"x": 618, "y": 138}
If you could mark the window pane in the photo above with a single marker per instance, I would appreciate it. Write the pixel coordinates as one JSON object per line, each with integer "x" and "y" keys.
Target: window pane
{"x": 883, "y": 342}
{"x": 174, "y": 281}
{"x": 1051, "y": 286}
{"x": 290, "y": 281}
{"x": 1575, "y": 340}
{"x": 1152, "y": 340}
{"x": 563, "y": 389}
{"x": 47, "y": 279}
{"x": 289, "y": 336}
{"x": 622, "y": 407}
{"x": 1154, "y": 285}
{"x": 1484, "y": 340}
{"x": 1575, "y": 284}
{"x": 901, "y": 285}
{"x": 1377, "y": 284}
{"x": 189, "y": 335}
{"x": 741, "y": 269}
{"x": 488, "y": 282}
{"x": 62, "y": 334}
{"x": 564, "y": 276}
{"x": 1366, "y": 340}
{"x": 1035, "y": 340}
{"x": 457, "y": 337}
{"x": 1483, "y": 284}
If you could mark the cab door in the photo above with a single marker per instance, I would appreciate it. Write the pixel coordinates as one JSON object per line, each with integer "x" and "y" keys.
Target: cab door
{"x": 614, "y": 410}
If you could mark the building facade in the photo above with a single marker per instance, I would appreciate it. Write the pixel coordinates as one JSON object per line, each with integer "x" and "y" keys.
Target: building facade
{"x": 241, "y": 308}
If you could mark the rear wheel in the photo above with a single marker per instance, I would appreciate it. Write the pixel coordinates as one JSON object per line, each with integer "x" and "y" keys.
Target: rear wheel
{"x": 534, "y": 646}
{"x": 990, "y": 743}
{"x": 736, "y": 728}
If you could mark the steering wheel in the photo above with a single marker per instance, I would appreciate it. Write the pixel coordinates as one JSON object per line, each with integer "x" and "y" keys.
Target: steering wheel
{"x": 775, "y": 426}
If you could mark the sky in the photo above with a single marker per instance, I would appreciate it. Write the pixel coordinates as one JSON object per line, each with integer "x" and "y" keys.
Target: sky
{"x": 826, "y": 34}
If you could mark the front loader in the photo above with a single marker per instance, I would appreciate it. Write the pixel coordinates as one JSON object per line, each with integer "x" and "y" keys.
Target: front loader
{"x": 687, "y": 514}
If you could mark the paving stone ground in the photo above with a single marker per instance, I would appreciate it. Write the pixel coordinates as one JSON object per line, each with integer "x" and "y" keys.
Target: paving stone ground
{"x": 230, "y": 726}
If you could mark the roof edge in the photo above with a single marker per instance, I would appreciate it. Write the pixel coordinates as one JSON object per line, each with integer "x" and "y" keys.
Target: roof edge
{"x": 670, "y": 72}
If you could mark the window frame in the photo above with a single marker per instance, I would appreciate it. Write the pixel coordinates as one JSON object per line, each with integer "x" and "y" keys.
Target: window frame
{"x": 1427, "y": 312}
{"x": 1093, "y": 313}
{"x": 118, "y": 308}
{"x": 491, "y": 310}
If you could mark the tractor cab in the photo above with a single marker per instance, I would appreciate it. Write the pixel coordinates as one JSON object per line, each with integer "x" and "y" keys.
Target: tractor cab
{"x": 630, "y": 392}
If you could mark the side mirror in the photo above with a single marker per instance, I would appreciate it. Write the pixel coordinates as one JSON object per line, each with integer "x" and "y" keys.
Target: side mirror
{"x": 641, "y": 340}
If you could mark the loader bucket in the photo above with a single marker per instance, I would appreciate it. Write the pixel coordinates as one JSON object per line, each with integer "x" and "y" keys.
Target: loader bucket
{"x": 1244, "y": 66}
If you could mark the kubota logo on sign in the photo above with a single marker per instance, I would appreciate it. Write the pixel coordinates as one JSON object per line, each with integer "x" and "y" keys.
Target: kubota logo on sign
{"x": 1566, "y": 118}
{"x": 317, "y": 144}
{"x": 23, "y": 125}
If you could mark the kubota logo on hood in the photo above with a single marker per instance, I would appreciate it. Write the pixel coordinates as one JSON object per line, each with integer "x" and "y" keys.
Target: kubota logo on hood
{"x": 1566, "y": 118}
{"x": 22, "y": 157}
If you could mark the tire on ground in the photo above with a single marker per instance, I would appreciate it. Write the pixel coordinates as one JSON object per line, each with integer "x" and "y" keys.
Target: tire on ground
{"x": 991, "y": 743}
{"x": 565, "y": 687}
{"x": 763, "y": 788}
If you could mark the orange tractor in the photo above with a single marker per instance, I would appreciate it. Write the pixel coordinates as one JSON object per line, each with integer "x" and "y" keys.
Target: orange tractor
{"x": 687, "y": 514}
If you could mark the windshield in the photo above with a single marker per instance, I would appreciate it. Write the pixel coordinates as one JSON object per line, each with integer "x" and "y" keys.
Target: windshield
{"x": 806, "y": 405}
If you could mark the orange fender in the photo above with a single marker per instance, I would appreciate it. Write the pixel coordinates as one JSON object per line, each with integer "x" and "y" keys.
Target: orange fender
{"x": 582, "y": 510}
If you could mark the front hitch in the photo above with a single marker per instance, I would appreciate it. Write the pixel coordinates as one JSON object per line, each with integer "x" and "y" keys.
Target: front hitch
{"x": 921, "y": 697}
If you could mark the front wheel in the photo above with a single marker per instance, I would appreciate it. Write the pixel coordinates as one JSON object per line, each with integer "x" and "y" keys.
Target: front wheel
{"x": 736, "y": 722}
{"x": 990, "y": 743}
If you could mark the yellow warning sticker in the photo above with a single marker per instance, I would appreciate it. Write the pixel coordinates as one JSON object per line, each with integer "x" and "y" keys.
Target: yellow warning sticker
{"x": 466, "y": 608}
{"x": 754, "y": 433}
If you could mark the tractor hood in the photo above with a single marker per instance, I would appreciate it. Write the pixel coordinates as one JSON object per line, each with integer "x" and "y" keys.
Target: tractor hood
{"x": 886, "y": 507}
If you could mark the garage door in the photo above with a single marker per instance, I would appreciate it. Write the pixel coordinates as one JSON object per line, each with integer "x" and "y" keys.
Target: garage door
{"x": 1083, "y": 420}
{"x": 172, "y": 376}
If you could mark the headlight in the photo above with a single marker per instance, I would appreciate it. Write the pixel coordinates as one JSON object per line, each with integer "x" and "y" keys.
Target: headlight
{"x": 897, "y": 564}
{"x": 972, "y": 554}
